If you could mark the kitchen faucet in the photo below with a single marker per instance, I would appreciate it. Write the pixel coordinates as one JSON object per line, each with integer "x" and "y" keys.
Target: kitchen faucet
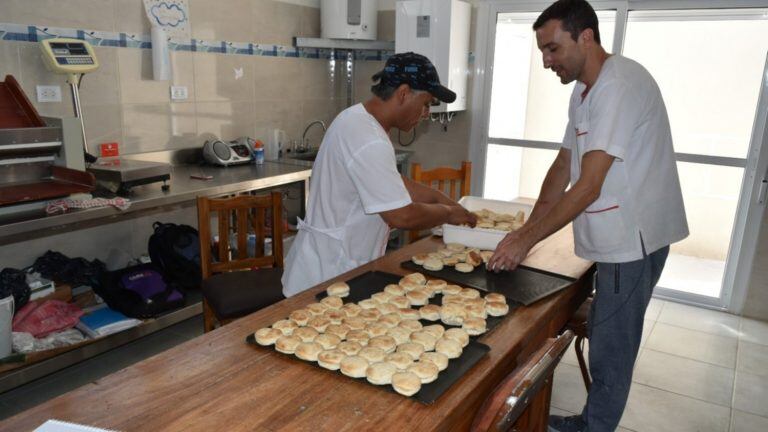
{"x": 304, "y": 143}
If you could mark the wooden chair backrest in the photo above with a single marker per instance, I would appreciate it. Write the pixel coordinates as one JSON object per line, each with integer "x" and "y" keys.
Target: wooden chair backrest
{"x": 242, "y": 213}
{"x": 502, "y": 410}
{"x": 445, "y": 176}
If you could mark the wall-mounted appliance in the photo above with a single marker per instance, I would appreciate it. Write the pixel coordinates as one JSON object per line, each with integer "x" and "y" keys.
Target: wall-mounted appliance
{"x": 348, "y": 19}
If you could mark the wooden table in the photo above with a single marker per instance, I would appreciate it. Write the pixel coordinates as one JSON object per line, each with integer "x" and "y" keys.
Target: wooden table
{"x": 217, "y": 382}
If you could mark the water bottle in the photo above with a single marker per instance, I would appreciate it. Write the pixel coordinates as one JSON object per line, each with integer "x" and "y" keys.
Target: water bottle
{"x": 258, "y": 152}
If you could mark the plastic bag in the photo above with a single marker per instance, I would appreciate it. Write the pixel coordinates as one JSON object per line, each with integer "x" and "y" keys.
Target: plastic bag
{"x": 43, "y": 319}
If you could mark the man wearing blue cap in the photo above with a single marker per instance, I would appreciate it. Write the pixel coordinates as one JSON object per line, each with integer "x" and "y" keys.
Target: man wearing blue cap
{"x": 357, "y": 195}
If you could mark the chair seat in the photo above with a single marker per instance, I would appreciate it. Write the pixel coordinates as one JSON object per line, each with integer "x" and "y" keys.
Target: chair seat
{"x": 238, "y": 293}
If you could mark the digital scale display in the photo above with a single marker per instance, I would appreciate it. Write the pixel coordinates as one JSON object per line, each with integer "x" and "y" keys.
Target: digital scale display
{"x": 71, "y": 53}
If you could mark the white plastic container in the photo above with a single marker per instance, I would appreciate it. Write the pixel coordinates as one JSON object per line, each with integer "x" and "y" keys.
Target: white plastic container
{"x": 482, "y": 238}
{"x": 348, "y": 19}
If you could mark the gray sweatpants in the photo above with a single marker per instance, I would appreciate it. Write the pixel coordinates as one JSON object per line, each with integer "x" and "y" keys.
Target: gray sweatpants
{"x": 615, "y": 326}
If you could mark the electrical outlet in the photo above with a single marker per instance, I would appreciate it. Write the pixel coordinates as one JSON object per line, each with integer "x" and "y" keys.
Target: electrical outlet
{"x": 48, "y": 93}
{"x": 179, "y": 93}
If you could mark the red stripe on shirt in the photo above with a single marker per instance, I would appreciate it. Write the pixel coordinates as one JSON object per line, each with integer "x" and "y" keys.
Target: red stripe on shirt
{"x": 602, "y": 210}
{"x": 581, "y": 133}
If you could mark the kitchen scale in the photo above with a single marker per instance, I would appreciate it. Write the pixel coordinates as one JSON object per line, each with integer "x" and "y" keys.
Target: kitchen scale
{"x": 75, "y": 58}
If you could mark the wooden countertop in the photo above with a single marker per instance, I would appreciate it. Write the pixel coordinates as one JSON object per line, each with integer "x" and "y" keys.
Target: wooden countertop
{"x": 217, "y": 382}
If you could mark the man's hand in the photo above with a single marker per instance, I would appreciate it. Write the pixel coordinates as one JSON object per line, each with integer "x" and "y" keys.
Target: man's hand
{"x": 460, "y": 216}
{"x": 510, "y": 252}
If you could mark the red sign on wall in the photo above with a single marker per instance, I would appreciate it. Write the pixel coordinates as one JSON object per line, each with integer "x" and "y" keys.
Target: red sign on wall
{"x": 109, "y": 149}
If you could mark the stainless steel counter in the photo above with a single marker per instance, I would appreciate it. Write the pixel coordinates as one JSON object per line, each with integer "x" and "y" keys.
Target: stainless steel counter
{"x": 21, "y": 226}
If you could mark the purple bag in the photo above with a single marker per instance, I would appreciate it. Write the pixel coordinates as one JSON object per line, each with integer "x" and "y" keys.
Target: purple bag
{"x": 148, "y": 284}
{"x": 139, "y": 292}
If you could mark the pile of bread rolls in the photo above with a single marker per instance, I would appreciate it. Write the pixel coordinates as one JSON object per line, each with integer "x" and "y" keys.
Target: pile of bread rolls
{"x": 499, "y": 221}
{"x": 458, "y": 256}
{"x": 381, "y": 338}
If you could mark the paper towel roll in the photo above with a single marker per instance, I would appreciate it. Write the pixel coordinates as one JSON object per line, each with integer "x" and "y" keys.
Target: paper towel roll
{"x": 161, "y": 58}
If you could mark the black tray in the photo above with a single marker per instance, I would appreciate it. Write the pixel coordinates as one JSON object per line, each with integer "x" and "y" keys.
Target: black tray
{"x": 368, "y": 284}
{"x": 523, "y": 285}
{"x": 429, "y": 392}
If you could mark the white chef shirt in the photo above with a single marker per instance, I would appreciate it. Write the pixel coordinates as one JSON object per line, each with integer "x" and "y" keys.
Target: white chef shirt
{"x": 624, "y": 115}
{"x": 353, "y": 179}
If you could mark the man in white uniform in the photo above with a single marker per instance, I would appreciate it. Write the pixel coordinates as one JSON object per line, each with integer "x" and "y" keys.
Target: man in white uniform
{"x": 356, "y": 194}
{"x": 624, "y": 201}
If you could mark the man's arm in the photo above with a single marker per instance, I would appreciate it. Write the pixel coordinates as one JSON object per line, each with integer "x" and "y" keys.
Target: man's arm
{"x": 514, "y": 248}
{"x": 421, "y": 193}
{"x": 417, "y": 216}
{"x": 553, "y": 188}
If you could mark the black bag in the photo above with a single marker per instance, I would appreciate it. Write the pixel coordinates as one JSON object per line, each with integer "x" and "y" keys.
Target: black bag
{"x": 139, "y": 291}
{"x": 14, "y": 282}
{"x": 175, "y": 251}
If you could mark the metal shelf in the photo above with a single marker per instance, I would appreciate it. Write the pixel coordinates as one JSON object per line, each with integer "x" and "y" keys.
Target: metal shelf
{"x": 344, "y": 44}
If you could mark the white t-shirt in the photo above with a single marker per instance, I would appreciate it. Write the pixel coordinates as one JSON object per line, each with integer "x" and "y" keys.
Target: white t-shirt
{"x": 353, "y": 179}
{"x": 624, "y": 115}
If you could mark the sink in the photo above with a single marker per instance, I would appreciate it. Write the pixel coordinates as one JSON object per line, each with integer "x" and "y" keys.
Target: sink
{"x": 310, "y": 156}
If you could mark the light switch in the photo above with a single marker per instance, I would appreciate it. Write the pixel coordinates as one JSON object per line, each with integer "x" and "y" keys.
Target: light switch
{"x": 48, "y": 93}
{"x": 179, "y": 93}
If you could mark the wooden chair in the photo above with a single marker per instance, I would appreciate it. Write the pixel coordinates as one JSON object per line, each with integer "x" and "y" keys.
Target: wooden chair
{"x": 439, "y": 178}
{"x": 578, "y": 325}
{"x": 236, "y": 286}
{"x": 520, "y": 402}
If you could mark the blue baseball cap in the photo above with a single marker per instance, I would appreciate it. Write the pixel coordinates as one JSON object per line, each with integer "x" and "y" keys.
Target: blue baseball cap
{"x": 416, "y": 71}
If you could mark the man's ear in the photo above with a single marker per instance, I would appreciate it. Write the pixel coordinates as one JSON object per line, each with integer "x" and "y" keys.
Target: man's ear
{"x": 402, "y": 93}
{"x": 587, "y": 35}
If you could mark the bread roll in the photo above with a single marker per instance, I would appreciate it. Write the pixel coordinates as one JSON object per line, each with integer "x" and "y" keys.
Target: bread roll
{"x": 287, "y": 344}
{"x": 449, "y": 347}
{"x": 354, "y": 323}
{"x": 353, "y": 366}
{"x": 394, "y": 289}
{"x": 409, "y": 286}
{"x": 267, "y": 336}
{"x": 339, "y": 330}
{"x": 417, "y": 297}
{"x": 369, "y": 315}
{"x": 316, "y": 308}
{"x": 452, "y": 314}
{"x": 474, "y": 326}
{"x": 308, "y": 350}
{"x": 406, "y": 383}
{"x": 451, "y": 261}
{"x": 453, "y": 298}
{"x": 430, "y": 290}
{"x": 400, "y": 301}
{"x": 470, "y": 293}
{"x": 387, "y": 308}
{"x": 382, "y": 296}
{"x": 330, "y": 359}
{"x": 475, "y": 301}
{"x": 437, "y": 285}
{"x": 426, "y": 371}
{"x": 319, "y": 323}
{"x": 495, "y": 297}
{"x": 372, "y": 354}
{"x": 430, "y": 312}
{"x": 351, "y": 309}
{"x": 412, "y": 349}
{"x": 380, "y": 373}
{"x": 474, "y": 258}
{"x": 486, "y": 255}
{"x": 451, "y": 289}
{"x": 306, "y": 334}
{"x": 334, "y": 315}
{"x": 425, "y": 339}
{"x": 445, "y": 252}
{"x": 461, "y": 256}
{"x": 359, "y": 336}
{"x": 401, "y": 335}
{"x": 338, "y": 289}
{"x": 391, "y": 320}
{"x": 333, "y": 302}
{"x": 464, "y": 267}
{"x": 419, "y": 258}
{"x": 401, "y": 360}
{"x": 497, "y": 309}
{"x": 410, "y": 324}
{"x": 285, "y": 326}
{"x": 433, "y": 264}
{"x": 435, "y": 330}
{"x": 376, "y": 329}
{"x": 300, "y": 317}
{"x": 455, "y": 247}
{"x": 475, "y": 311}
{"x": 328, "y": 341}
{"x": 368, "y": 304}
{"x": 437, "y": 255}
{"x": 349, "y": 348}
{"x": 416, "y": 278}
{"x": 386, "y": 343}
{"x": 408, "y": 313}
{"x": 457, "y": 334}
{"x": 438, "y": 359}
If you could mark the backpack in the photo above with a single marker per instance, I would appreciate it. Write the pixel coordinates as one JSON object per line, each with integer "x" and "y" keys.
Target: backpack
{"x": 175, "y": 250}
{"x": 139, "y": 291}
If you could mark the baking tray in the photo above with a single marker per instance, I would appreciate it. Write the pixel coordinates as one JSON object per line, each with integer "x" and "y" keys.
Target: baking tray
{"x": 524, "y": 285}
{"x": 429, "y": 393}
{"x": 368, "y": 284}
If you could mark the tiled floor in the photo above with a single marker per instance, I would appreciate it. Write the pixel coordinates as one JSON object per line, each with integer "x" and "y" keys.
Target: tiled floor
{"x": 698, "y": 370}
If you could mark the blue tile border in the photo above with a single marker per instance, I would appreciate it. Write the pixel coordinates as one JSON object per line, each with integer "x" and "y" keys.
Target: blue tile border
{"x": 31, "y": 33}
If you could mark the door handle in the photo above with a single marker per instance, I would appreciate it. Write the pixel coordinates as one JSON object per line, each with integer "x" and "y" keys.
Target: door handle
{"x": 763, "y": 190}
